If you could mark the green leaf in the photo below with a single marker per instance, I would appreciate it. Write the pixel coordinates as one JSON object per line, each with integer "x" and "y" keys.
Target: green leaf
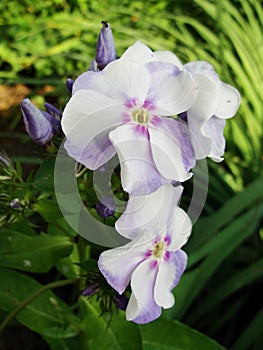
{"x": 48, "y": 209}
{"x": 47, "y": 314}
{"x": 32, "y": 253}
{"x": 111, "y": 334}
{"x": 224, "y": 243}
{"x": 164, "y": 334}
{"x": 44, "y": 178}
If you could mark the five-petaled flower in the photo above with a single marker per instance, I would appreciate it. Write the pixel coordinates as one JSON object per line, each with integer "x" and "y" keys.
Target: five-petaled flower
{"x": 123, "y": 108}
{"x": 153, "y": 261}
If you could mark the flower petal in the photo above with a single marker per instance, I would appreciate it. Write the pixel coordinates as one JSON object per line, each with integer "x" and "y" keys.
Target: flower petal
{"x": 168, "y": 56}
{"x": 87, "y": 119}
{"x": 179, "y": 227}
{"x": 138, "y": 52}
{"x": 179, "y": 258}
{"x": 202, "y": 145}
{"x": 142, "y": 307}
{"x": 229, "y": 101}
{"x": 214, "y": 129}
{"x": 202, "y": 67}
{"x": 168, "y": 276}
{"x": 172, "y": 151}
{"x": 164, "y": 283}
{"x": 118, "y": 264}
{"x": 171, "y": 89}
{"x": 149, "y": 212}
{"x": 120, "y": 80}
{"x": 207, "y": 98}
{"x": 138, "y": 172}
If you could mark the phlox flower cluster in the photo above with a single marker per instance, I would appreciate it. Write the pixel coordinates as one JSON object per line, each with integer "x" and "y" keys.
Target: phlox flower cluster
{"x": 159, "y": 116}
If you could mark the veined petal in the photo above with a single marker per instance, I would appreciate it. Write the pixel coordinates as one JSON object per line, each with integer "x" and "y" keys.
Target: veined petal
{"x": 138, "y": 172}
{"x": 172, "y": 150}
{"x": 214, "y": 130}
{"x": 142, "y": 307}
{"x": 87, "y": 119}
{"x": 172, "y": 90}
{"x": 179, "y": 228}
{"x": 119, "y": 80}
{"x": 229, "y": 101}
{"x": 207, "y": 98}
{"x": 138, "y": 52}
{"x": 168, "y": 56}
{"x": 149, "y": 212}
{"x": 118, "y": 264}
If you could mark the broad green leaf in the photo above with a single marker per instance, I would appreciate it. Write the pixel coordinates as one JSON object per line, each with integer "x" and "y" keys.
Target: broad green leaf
{"x": 47, "y": 314}
{"x": 32, "y": 253}
{"x": 64, "y": 344}
{"x": 108, "y": 334}
{"x": 44, "y": 178}
{"x": 166, "y": 334}
{"x": 48, "y": 209}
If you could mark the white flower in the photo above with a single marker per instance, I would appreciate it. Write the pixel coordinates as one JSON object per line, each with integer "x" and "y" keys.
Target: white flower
{"x": 123, "y": 108}
{"x": 153, "y": 261}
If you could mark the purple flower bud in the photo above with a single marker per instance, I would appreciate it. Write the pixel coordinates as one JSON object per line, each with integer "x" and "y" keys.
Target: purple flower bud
{"x": 53, "y": 110}
{"x": 15, "y": 203}
{"x": 55, "y": 123}
{"x": 105, "y": 51}
{"x": 105, "y": 207}
{"x": 121, "y": 301}
{"x": 40, "y": 125}
{"x": 90, "y": 290}
{"x": 69, "y": 84}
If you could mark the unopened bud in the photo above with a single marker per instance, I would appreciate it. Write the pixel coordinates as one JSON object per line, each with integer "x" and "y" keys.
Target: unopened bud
{"x": 106, "y": 207}
{"x": 40, "y": 125}
{"x": 105, "y": 51}
{"x": 69, "y": 84}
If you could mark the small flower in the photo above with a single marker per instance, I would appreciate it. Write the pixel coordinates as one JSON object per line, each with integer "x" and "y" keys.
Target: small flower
{"x": 153, "y": 261}
{"x": 106, "y": 207}
{"x": 124, "y": 108}
{"x": 40, "y": 125}
{"x": 215, "y": 102}
{"x": 105, "y": 51}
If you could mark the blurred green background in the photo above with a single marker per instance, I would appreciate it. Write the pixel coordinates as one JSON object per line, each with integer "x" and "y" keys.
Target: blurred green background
{"x": 43, "y": 43}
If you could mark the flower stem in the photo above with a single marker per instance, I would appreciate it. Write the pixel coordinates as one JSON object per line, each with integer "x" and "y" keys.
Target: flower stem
{"x": 33, "y": 296}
